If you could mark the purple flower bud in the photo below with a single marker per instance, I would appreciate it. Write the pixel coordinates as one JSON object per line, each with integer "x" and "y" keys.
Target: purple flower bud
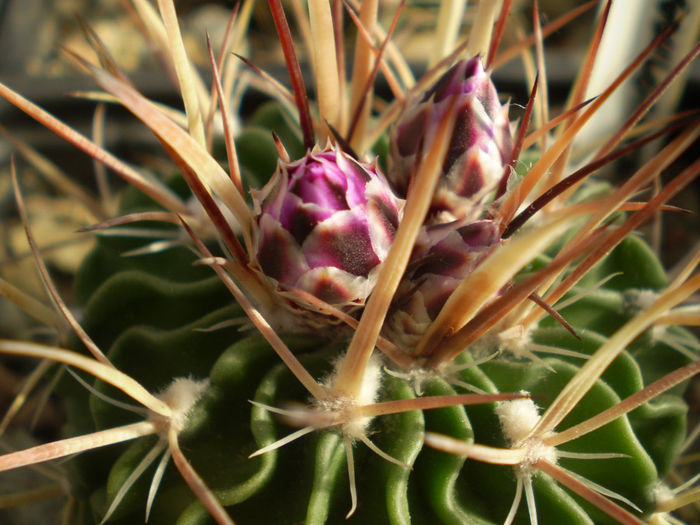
{"x": 480, "y": 147}
{"x": 444, "y": 255}
{"x": 325, "y": 223}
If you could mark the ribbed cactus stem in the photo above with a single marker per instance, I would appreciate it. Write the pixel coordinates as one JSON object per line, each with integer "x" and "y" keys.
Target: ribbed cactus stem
{"x": 596, "y": 365}
{"x": 630, "y": 403}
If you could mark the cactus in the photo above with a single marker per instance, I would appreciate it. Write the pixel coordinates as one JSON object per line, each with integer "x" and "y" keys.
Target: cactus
{"x": 511, "y": 354}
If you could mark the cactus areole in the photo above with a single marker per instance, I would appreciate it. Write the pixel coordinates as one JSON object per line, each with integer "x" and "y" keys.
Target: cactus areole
{"x": 480, "y": 146}
{"x": 325, "y": 222}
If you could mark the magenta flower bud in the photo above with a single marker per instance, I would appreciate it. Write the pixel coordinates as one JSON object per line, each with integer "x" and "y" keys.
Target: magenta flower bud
{"x": 326, "y": 222}
{"x": 444, "y": 256}
{"x": 480, "y": 146}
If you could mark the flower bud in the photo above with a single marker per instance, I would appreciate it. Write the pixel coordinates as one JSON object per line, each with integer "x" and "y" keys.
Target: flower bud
{"x": 444, "y": 256}
{"x": 325, "y": 223}
{"x": 480, "y": 146}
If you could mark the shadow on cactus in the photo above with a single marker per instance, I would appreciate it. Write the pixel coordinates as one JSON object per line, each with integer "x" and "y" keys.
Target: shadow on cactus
{"x": 474, "y": 334}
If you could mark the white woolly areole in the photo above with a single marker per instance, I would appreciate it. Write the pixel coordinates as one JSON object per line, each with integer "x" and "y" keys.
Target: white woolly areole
{"x": 641, "y": 299}
{"x": 181, "y": 395}
{"x": 344, "y": 407}
{"x": 662, "y": 493}
{"x": 646, "y": 299}
{"x": 417, "y": 377}
{"x": 517, "y": 417}
{"x": 536, "y": 450}
{"x": 370, "y": 382}
{"x": 515, "y": 340}
{"x": 659, "y": 518}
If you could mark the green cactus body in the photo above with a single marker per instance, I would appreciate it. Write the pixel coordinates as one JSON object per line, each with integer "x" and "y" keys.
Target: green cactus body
{"x": 307, "y": 479}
